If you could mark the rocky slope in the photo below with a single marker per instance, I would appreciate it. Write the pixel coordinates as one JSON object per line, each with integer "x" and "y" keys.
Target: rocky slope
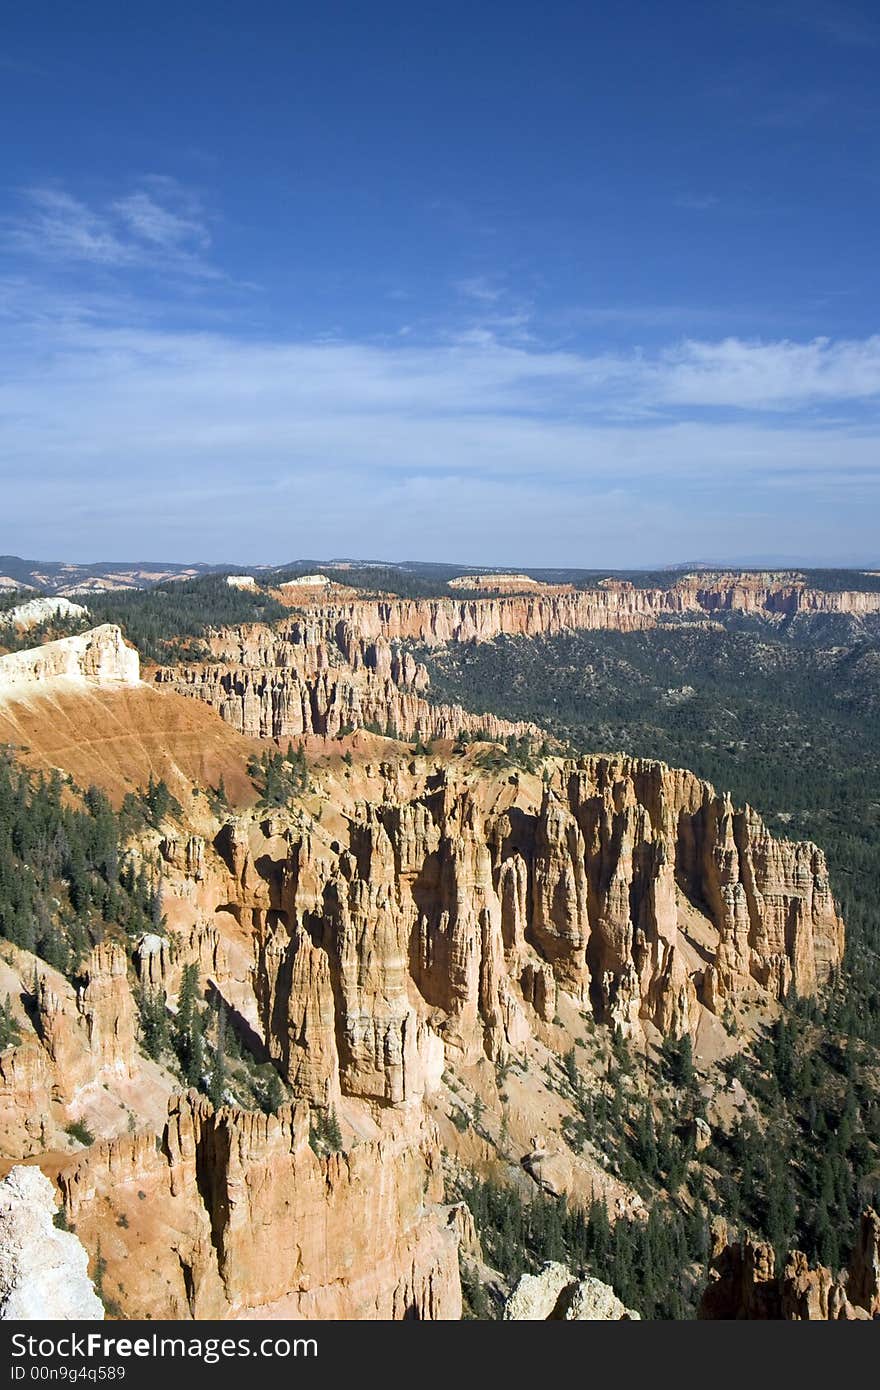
{"x": 340, "y": 663}
{"x": 457, "y": 910}
{"x": 557, "y": 1295}
{"x": 119, "y": 735}
{"x": 77, "y": 1058}
{"x": 413, "y": 919}
{"x": 40, "y": 610}
{"x": 399, "y": 936}
{"x": 615, "y": 604}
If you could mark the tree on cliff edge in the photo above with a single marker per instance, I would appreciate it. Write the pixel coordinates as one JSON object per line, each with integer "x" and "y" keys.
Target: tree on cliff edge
{"x": 189, "y": 1041}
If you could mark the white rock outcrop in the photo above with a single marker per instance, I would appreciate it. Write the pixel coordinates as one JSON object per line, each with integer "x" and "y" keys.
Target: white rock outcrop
{"x": 559, "y": 1295}
{"x": 44, "y": 1272}
{"x": 536, "y": 1295}
{"x": 39, "y": 610}
{"x": 97, "y": 657}
{"x": 592, "y": 1301}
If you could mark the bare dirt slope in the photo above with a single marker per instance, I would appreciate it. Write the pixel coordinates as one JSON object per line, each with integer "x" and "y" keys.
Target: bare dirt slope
{"x": 115, "y": 738}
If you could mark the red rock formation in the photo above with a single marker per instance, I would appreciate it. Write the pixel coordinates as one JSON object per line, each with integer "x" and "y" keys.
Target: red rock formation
{"x": 26, "y": 1092}
{"x": 90, "y": 1030}
{"x": 107, "y": 1009}
{"x": 287, "y": 701}
{"x": 744, "y": 1283}
{"x": 620, "y": 606}
{"x": 240, "y": 1218}
{"x": 454, "y": 914}
{"x": 339, "y": 665}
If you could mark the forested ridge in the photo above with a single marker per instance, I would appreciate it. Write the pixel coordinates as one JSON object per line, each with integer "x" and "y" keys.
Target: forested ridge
{"x": 68, "y": 873}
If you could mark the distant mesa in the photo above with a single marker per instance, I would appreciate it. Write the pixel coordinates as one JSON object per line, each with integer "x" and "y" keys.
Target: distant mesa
{"x": 313, "y": 590}
{"x": 503, "y": 584}
{"x": 40, "y": 610}
{"x": 307, "y": 581}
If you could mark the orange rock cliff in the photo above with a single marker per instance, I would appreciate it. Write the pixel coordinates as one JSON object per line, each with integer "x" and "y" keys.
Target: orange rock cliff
{"x": 410, "y": 919}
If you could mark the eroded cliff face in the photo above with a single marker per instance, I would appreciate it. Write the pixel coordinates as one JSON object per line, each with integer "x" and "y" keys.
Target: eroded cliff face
{"x": 231, "y": 1214}
{"x": 409, "y": 915}
{"x": 322, "y": 677}
{"x": 744, "y": 1282}
{"x": 616, "y": 605}
{"x": 339, "y": 664}
{"x": 408, "y": 918}
{"x": 444, "y": 919}
{"x": 78, "y": 1046}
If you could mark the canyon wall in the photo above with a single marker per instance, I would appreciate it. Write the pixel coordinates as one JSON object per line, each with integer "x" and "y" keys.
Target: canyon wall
{"x": 302, "y": 679}
{"x": 402, "y": 921}
{"x": 338, "y": 665}
{"x": 76, "y": 1040}
{"x": 231, "y": 1214}
{"x": 619, "y": 606}
{"x": 449, "y": 915}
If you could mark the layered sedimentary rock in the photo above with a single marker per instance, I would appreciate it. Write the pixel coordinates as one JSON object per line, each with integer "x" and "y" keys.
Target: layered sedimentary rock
{"x": 616, "y": 605}
{"x": 654, "y": 833}
{"x": 77, "y": 1046}
{"x": 744, "y": 1282}
{"x": 340, "y": 664}
{"x": 43, "y": 1270}
{"x": 457, "y": 910}
{"x": 91, "y": 1028}
{"x": 246, "y": 1220}
{"x": 97, "y": 657}
{"x": 315, "y": 677}
{"x": 27, "y": 1089}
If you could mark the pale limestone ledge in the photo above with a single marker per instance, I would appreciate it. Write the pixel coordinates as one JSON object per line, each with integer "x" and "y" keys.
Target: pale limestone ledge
{"x": 43, "y": 1270}
{"x": 97, "y": 657}
{"x": 38, "y": 610}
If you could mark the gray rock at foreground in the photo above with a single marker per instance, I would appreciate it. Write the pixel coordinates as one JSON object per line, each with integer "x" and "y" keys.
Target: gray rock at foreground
{"x": 44, "y": 1272}
{"x": 559, "y": 1295}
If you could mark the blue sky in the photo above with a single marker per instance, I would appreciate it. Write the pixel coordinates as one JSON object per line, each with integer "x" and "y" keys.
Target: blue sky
{"x": 494, "y": 283}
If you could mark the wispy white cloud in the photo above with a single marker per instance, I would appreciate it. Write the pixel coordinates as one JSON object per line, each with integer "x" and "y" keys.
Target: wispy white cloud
{"x": 498, "y": 447}
{"x": 156, "y": 225}
{"x": 771, "y": 376}
{"x": 87, "y": 380}
{"x": 696, "y": 202}
{"x": 480, "y": 288}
